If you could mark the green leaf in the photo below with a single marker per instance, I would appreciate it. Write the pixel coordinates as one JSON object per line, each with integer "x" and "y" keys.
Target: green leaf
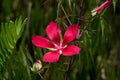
{"x": 10, "y": 32}
{"x": 114, "y": 5}
{"x": 69, "y": 2}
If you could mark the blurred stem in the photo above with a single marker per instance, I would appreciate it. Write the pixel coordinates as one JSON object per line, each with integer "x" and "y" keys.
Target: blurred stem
{"x": 84, "y": 28}
{"x": 29, "y": 30}
{"x": 41, "y": 76}
{"x": 65, "y": 14}
{"x": 80, "y": 35}
{"x": 60, "y": 5}
{"x": 68, "y": 68}
{"x": 58, "y": 8}
{"x": 29, "y": 14}
{"x": 80, "y": 16}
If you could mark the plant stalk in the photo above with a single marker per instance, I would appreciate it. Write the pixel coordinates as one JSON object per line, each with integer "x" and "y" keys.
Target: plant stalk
{"x": 68, "y": 68}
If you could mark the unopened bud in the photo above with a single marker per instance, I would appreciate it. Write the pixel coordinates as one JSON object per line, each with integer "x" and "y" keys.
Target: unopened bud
{"x": 36, "y": 66}
{"x": 98, "y": 9}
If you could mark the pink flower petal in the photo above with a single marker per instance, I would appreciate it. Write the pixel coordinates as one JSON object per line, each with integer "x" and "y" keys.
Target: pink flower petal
{"x": 51, "y": 56}
{"x": 71, "y": 50}
{"x": 70, "y": 34}
{"x": 53, "y": 32}
{"x": 41, "y": 42}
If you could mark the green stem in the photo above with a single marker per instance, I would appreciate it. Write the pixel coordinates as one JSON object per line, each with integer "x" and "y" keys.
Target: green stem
{"x": 65, "y": 14}
{"x": 68, "y": 68}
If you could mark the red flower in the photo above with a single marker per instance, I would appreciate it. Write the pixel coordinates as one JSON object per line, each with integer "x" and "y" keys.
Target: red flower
{"x": 101, "y": 7}
{"x": 56, "y": 44}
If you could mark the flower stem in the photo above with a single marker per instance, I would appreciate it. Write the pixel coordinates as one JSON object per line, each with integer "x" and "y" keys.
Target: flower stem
{"x": 41, "y": 76}
{"x": 65, "y": 14}
{"x": 68, "y": 68}
{"x": 80, "y": 16}
{"x": 80, "y": 35}
{"x": 28, "y": 31}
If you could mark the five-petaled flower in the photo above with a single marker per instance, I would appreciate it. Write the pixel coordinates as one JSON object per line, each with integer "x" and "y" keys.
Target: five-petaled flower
{"x": 56, "y": 44}
{"x": 97, "y": 10}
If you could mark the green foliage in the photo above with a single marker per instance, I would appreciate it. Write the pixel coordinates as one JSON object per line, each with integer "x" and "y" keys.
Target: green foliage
{"x": 100, "y": 54}
{"x": 10, "y": 32}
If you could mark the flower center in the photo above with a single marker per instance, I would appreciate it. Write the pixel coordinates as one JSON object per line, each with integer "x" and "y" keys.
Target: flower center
{"x": 59, "y": 47}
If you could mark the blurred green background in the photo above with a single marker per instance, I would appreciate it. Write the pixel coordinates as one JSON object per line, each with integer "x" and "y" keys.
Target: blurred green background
{"x": 99, "y": 58}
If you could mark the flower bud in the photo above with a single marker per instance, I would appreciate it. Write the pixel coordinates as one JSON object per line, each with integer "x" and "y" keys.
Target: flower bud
{"x": 36, "y": 66}
{"x": 98, "y": 9}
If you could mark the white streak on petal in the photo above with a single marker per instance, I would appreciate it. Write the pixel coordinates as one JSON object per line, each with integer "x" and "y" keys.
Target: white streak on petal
{"x": 60, "y": 52}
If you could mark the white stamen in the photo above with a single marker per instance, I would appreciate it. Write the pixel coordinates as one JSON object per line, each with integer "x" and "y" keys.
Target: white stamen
{"x": 52, "y": 49}
{"x": 55, "y": 45}
{"x": 60, "y": 45}
{"x": 60, "y": 52}
{"x": 65, "y": 46}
